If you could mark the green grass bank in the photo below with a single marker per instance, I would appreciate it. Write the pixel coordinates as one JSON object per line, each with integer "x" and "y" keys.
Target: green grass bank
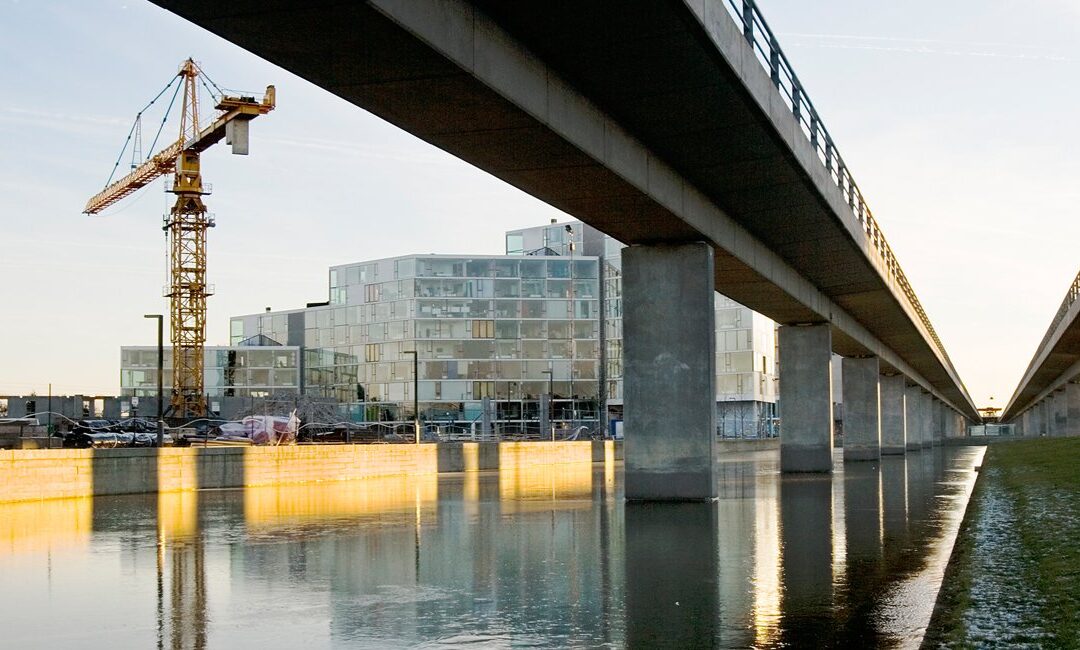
{"x": 1014, "y": 576}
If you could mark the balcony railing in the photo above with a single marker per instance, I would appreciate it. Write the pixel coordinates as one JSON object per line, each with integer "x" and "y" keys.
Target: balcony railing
{"x": 763, "y": 42}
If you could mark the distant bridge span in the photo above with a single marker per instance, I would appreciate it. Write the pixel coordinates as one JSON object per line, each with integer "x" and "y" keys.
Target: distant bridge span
{"x": 1047, "y": 399}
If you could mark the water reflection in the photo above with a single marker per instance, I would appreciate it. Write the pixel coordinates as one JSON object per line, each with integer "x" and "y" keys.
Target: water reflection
{"x": 548, "y": 557}
{"x": 671, "y": 574}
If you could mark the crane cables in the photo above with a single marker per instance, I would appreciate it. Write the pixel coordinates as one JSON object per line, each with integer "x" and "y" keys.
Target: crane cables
{"x": 136, "y": 127}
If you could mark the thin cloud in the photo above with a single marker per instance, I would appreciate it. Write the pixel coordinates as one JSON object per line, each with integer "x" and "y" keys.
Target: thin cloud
{"x": 924, "y": 46}
{"x": 365, "y": 150}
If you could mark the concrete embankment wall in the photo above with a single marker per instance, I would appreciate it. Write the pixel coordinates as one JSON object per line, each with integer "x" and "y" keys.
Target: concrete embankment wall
{"x": 736, "y": 445}
{"x": 27, "y": 475}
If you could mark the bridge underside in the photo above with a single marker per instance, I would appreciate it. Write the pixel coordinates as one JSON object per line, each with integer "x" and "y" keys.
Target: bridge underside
{"x": 649, "y": 121}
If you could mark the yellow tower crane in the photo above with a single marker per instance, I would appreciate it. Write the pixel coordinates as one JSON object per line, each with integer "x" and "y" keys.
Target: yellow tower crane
{"x": 187, "y": 221}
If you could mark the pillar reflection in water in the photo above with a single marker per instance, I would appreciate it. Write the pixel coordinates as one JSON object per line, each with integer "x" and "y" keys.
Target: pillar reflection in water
{"x": 894, "y": 498}
{"x": 766, "y": 580}
{"x": 671, "y": 574}
{"x": 806, "y": 561}
{"x": 862, "y": 517}
{"x": 181, "y": 573}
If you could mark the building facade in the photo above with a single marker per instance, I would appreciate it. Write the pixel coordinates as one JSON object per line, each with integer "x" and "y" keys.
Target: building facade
{"x": 240, "y": 371}
{"x": 504, "y": 344}
{"x": 746, "y": 359}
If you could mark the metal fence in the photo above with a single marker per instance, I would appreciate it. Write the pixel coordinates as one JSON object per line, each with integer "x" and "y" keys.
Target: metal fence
{"x": 767, "y": 50}
{"x": 1070, "y": 297}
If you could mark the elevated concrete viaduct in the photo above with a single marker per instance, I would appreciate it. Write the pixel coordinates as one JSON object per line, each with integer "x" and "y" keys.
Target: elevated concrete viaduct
{"x": 1047, "y": 399}
{"x": 663, "y": 124}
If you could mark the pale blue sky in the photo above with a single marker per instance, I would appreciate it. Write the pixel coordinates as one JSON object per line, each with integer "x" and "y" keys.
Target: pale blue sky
{"x": 957, "y": 119}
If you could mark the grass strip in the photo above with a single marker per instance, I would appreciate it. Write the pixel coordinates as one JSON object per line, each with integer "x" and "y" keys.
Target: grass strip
{"x": 1042, "y": 479}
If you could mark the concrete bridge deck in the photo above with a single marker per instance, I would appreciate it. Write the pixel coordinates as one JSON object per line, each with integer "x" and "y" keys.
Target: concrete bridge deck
{"x": 680, "y": 129}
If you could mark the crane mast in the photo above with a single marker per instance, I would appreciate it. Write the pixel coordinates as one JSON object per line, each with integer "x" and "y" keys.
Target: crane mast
{"x": 187, "y": 223}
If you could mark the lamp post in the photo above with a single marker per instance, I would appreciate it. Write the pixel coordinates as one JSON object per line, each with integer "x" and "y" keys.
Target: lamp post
{"x": 551, "y": 401}
{"x": 416, "y": 392}
{"x": 573, "y": 398}
{"x": 160, "y": 377}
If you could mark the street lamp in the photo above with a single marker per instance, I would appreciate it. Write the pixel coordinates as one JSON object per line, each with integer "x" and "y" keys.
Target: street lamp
{"x": 160, "y": 376}
{"x": 416, "y": 392}
{"x": 573, "y": 398}
{"x": 551, "y": 401}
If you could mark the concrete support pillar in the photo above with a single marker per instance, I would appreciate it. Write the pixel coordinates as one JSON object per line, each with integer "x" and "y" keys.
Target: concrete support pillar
{"x": 893, "y": 420}
{"x": 806, "y": 435}
{"x": 862, "y": 408}
{"x": 913, "y": 412}
{"x": 1040, "y": 415}
{"x": 927, "y": 420}
{"x": 1072, "y": 410}
{"x": 939, "y": 421}
{"x": 1061, "y": 412}
{"x": 669, "y": 338}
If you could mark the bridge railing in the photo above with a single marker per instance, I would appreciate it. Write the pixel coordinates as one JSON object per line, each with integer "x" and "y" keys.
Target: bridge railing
{"x": 1070, "y": 297}
{"x": 767, "y": 50}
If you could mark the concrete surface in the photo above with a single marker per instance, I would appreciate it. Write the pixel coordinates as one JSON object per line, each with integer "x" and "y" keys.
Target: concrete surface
{"x": 669, "y": 361}
{"x": 862, "y": 408}
{"x": 806, "y": 429}
{"x": 893, "y": 417}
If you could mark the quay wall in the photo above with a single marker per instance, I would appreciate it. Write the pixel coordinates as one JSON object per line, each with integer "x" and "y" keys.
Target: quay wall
{"x": 30, "y": 475}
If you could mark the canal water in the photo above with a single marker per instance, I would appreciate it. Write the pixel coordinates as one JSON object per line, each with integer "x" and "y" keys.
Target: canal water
{"x": 547, "y": 557}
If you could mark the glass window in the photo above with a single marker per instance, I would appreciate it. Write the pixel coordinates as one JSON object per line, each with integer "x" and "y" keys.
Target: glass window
{"x": 405, "y": 268}
{"x": 507, "y": 288}
{"x": 534, "y": 349}
{"x": 558, "y": 269}
{"x": 586, "y": 349}
{"x": 533, "y": 329}
{"x": 258, "y": 377}
{"x": 284, "y": 377}
{"x": 515, "y": 244}
{"x": 532, "y": 288}
{"x": 585, "y": 329}
{"x": 559, "y": 349}
{"x": 507, "y": 309}
{"x": 532, "y": 309}
{"x": 507, "y": 349}
{"x": 558, "y": 330}
{"x": 585, "y": 269}
{"x": 478, "y": 268}
{"x": 506, "y": 268}
{"x": 558, "y": 308}
{"x": 584, "y": 289}
{"x": 533, "y": 268}
{"x": 333, "y": 278}
{"x": 558, "y": 289}
{"x": 507, "y": 329}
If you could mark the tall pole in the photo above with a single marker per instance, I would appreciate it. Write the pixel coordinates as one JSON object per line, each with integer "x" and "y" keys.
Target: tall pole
{"x": 160, "y": 377}
{"x": 551, "y": 401}
{"x": 573, "y": 399}
{"x": 48, "y": 439}
{"x": 416, "y": 392}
